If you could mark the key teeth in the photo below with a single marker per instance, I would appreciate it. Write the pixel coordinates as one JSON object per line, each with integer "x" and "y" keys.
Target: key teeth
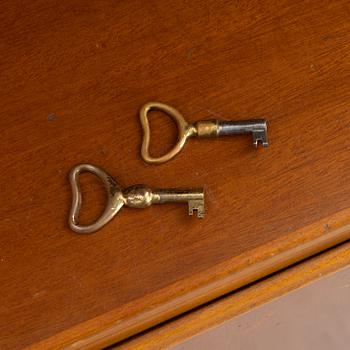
{"x": 260, "y": 137}
{"x": 198, "y": 206}
{"x": 200, "y": 213}
{"x": 264, "y": 143}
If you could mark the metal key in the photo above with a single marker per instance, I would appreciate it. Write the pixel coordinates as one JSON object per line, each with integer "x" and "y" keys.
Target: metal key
{"x": 202, "y": 128}
{"x": 137, "y": 196}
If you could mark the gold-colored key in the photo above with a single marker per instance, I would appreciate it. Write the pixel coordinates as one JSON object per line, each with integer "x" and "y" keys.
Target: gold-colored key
{"x": 202, "y": 128}
{"x": 137, "y": 196}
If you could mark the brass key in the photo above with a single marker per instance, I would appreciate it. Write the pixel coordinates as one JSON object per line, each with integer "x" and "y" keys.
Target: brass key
{"x": 202, "y": 128}
{"x": 137, "y": 196}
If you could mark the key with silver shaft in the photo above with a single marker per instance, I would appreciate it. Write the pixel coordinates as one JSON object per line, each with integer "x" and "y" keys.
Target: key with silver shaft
{"x": 137, "y": 196}
{"x": 201, "y": 128}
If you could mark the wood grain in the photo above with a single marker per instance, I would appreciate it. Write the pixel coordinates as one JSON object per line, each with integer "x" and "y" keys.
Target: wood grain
{"x": 73, "y": 76}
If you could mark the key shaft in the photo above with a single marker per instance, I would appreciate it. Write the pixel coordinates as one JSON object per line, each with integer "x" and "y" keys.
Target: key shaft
{"x": 256, "y": 127}
{"x": 162, "y": 195}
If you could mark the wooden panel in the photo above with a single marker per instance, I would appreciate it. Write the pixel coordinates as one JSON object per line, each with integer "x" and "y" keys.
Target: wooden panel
{"x": 227, "y": 308}
{"x": 73, "y": 76}
{"x": 285, "y": 323}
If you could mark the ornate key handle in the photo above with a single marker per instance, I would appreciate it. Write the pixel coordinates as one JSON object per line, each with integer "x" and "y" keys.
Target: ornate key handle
{"x": 202, "y": 128}
{"x": 137, "y": 196}
{"x": 114, "y": 194}
{"x": 185, "y": 130}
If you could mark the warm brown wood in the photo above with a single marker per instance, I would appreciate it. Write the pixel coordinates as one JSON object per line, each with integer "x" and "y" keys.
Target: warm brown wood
{"x": 73, "y": 76}
{"x": 224, "y": 309}
{"x": 210, "y": 284}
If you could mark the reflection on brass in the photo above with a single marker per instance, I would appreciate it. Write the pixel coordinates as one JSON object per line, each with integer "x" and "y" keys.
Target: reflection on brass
{"x": 202, "y": 128}
{"x": 137, "y": 196}
{"x": 207, "y": 128}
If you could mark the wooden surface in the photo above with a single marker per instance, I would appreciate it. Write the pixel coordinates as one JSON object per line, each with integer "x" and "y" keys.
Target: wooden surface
{"x": 284, "y": 323}
{"x": 73, "y": 77}
{"x": 208, "y": 285}
{"x": 247, "y": 299}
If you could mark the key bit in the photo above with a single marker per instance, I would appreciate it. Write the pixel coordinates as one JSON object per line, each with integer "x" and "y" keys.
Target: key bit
{"x": 201, "y": 128}
{"x": 137, "y": 196}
